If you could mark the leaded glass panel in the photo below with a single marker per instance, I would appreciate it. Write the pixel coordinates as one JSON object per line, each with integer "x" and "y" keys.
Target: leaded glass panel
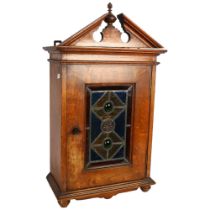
{"x": 108, "y": 125}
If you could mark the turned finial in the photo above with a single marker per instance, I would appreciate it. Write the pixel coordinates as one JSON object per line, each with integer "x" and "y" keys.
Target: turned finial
{"x": 109, "y": 7}
{"x": 110, "y": 18}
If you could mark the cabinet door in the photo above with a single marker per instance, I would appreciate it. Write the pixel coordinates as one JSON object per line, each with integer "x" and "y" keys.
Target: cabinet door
{"x": 107, "y": 120}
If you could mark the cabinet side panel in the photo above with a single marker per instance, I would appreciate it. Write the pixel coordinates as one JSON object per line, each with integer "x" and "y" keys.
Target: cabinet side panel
{"x": 55, "y": 122}
{"x": 151, "y": 116}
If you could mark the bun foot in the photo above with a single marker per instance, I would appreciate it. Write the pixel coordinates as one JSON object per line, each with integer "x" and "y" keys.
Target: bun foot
{"x": 63, "y": 203}
{"x": 108, "y": 196}
{"x": 145, "y": 188}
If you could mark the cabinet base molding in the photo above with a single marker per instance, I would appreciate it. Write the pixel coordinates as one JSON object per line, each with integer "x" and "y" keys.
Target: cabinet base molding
{"x": 103, "y": 191}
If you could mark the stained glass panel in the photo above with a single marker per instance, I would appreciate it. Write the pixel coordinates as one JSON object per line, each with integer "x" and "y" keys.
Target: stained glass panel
{"x": 108, "y": 119}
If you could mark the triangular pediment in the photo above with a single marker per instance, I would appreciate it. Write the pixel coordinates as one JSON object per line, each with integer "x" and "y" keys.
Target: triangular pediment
{"x": 137, "y": 33}
{"x": 84, "y": 33}
{"x": 111, "y": 36}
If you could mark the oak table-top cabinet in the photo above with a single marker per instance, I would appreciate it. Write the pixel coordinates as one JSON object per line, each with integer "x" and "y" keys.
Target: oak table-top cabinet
{"x": 101, "y": 110}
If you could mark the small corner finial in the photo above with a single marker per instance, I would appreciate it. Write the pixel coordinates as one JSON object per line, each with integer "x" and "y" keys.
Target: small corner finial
{"x": 109, "y": 7}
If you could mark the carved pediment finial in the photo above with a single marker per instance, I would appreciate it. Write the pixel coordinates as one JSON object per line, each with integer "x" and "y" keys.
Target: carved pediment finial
{"x": 109, "y": 7}
{"x": 110, "y": 18}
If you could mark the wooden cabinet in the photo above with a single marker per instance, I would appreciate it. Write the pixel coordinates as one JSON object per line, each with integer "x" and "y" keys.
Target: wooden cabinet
{"x": 101, "y": 111}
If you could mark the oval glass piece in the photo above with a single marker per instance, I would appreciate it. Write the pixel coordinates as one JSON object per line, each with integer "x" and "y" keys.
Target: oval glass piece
{"x": 107, "y": 143}
{"x": 108, "y": 107}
